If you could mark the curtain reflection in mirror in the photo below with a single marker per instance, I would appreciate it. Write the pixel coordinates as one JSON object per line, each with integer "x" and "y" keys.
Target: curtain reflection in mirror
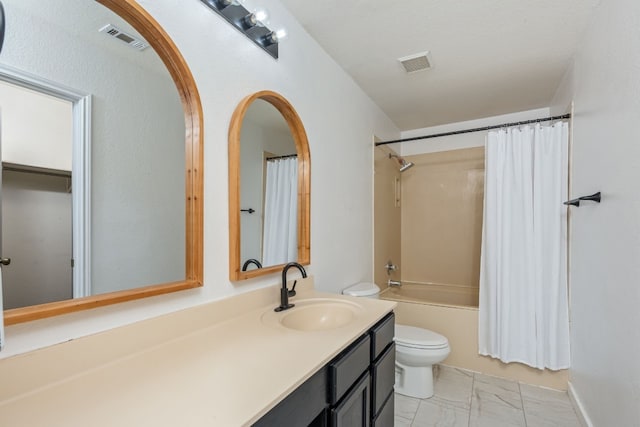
{"x": 280, "y": 212}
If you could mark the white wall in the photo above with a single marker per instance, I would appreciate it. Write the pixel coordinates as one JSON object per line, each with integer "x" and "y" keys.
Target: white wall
{"x": 465, "y": 140}
{"x": 340, "y": 121}
{"x": 137, "y": 163}
{"x": 605, "y": 239}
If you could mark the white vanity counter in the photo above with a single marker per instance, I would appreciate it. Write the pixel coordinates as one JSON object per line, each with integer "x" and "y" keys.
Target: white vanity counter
{"x": 218, "y": 364}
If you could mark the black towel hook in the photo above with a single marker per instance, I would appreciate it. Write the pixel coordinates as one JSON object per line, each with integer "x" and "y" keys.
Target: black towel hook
{"x": 596, "y": 197}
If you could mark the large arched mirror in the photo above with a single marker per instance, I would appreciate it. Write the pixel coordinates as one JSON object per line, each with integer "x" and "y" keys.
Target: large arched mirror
{"x": 128, "y": 190}
{"x": 269, "y": 187}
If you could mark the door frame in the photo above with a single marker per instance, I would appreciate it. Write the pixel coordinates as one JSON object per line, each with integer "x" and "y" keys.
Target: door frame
{"x": 80, "y": 164}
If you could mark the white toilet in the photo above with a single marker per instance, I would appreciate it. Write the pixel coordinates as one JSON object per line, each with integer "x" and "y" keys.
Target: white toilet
{"x": 417, "y": 350}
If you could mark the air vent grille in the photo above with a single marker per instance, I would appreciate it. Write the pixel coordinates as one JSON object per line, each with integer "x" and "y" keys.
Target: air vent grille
{"x": 418, "y": 62}
{"x": 132, "y": 41}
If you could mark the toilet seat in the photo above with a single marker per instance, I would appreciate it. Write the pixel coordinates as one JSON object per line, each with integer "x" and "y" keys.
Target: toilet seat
{"x": 419, "y": 338}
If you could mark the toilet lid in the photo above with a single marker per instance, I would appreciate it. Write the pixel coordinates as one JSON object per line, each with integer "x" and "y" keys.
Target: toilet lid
{"x": 362, "y": 289}
{"x": 410, "y": 336}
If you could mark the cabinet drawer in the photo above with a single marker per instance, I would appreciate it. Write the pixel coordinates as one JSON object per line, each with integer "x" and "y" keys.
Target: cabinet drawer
{"x": 382, "y": 335}
{"x": 386, "y": 416}
{"x": 383, "y": 374}
{"x": 353, "y": 410}
{"x": 347, "y": 368}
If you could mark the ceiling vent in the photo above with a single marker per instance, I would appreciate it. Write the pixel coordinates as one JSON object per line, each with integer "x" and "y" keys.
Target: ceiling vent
{"x": 132, "y": 41}
{"x": 418, "y": 62}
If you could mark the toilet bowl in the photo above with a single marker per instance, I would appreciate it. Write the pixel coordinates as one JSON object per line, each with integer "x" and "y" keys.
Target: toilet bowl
{"x": 417, "y": 350}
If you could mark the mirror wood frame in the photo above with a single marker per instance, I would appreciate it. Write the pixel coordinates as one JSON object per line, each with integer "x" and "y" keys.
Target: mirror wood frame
{"x": 155, "y": 35}
{"x": 304, "y": 184}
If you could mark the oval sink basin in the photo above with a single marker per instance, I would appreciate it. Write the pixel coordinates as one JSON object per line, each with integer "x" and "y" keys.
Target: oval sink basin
{"x": 318, "y": 314}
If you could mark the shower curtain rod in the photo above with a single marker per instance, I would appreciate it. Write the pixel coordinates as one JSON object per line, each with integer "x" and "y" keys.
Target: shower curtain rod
{"x": 458, "y": 132}
{"x": 288, "y": 156}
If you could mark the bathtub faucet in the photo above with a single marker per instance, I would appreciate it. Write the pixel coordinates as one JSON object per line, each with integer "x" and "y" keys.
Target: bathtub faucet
{"x": 391, "y": 283}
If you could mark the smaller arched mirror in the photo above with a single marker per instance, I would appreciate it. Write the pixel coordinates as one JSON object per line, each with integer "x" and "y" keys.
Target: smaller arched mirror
{"x": 269, "y": 187}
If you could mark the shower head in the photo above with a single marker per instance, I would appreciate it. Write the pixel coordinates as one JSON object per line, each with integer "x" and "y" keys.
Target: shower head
{"x": 404, "y": 165}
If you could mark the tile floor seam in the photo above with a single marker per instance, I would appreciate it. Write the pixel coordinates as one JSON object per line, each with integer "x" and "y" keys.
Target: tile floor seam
{"x": 524, "y": 411}
{"x": 473, "y": 386}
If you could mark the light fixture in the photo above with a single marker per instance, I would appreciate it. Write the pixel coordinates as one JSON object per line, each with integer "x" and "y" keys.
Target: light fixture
{"x": 259, "y": 17}
{"x": 251, "y": 24}
{"x": 275, "y": 36}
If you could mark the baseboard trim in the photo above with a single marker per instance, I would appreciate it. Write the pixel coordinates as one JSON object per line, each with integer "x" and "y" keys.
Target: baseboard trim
{"x": 583, "y": 417}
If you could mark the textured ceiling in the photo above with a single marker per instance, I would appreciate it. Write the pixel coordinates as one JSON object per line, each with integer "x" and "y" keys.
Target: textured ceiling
{"x": 490, "y": 56}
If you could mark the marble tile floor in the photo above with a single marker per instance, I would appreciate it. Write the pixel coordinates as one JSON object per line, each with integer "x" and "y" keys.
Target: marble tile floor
{"x": 467, "y": 399}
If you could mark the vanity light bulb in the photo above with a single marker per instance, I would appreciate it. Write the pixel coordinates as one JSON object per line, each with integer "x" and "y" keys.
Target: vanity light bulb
{"x": 261, "y": 17}
{"x": 280, "y": 34}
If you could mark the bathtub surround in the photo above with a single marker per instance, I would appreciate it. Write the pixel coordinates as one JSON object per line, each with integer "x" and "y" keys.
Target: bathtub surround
{"x": 524, "y": 314}
{"x": 386, "y": 217}
{"x": 443, "y": 295}
{"x": 442, "y": 218}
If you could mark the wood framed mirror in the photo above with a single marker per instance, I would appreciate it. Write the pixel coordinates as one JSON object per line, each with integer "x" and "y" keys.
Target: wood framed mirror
{"x": 190, "y": 200}
{"x": 269, "y": 187}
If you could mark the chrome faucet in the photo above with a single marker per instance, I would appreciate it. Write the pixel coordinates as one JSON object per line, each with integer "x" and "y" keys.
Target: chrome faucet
{"x": 394, "y": 283}
{"x": 286, "y": 293}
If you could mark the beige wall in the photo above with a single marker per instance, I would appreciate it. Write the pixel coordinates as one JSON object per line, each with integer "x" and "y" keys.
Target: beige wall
{"x": 442, "y": 217}
{"x": 460, "y": 326}
{"x": 386, "y": 216}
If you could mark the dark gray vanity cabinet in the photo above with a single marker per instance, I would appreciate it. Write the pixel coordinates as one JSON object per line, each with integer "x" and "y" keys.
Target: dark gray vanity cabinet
{"x": 355, "y": 389}
{"x": 349, "y": 384}
{"x": 353, "y": 409}
{"x": 305, "y": 406}
{"x": 383, "y": 371}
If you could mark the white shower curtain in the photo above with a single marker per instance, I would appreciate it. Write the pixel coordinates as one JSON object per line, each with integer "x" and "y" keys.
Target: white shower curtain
{"x": 523, "y": 313}
{"x": 280, "y": 234}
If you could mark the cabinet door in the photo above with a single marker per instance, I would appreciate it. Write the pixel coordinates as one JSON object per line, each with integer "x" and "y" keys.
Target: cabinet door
{"x": 383, "y": 377}
{"x": 353, "y": 411}
{"x": 386, "y": 415}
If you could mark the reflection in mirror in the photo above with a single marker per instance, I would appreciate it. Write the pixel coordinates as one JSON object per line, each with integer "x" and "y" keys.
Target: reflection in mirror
{"x": 269, "y": 186}
{"x": 141, "y": 211}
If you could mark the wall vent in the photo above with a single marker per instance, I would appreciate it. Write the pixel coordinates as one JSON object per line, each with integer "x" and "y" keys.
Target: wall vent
{"x": 132, "y": 41}
{"x": 418, "y": 62}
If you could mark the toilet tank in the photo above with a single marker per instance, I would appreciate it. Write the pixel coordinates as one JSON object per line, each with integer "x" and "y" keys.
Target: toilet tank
{"x": 363, "y": 289}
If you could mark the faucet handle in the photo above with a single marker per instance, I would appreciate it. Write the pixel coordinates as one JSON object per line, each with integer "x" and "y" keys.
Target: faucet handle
{"x": 390, "y": 267}
{"x": 292, "y": 292}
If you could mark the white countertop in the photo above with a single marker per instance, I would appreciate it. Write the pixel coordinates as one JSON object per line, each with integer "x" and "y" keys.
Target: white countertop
{"x": 228, "y": 372}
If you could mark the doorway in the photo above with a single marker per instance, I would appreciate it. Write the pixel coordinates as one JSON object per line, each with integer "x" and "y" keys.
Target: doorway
{"x": 36, "y": 200}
